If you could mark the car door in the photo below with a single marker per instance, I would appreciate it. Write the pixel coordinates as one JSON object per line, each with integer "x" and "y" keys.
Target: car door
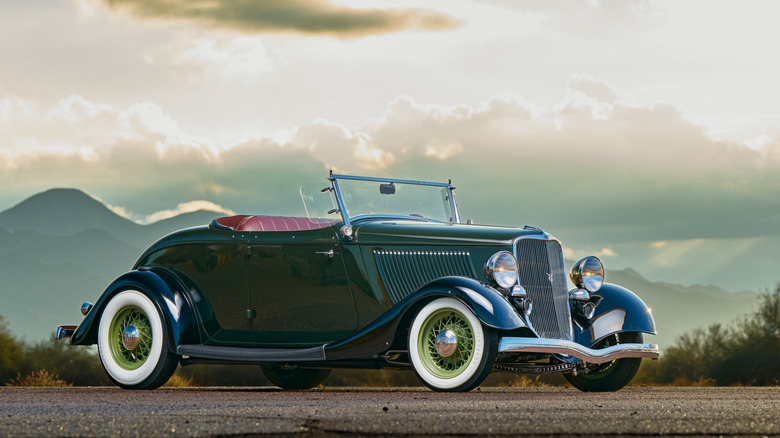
{"x": 299, "y": 293}
{"x": 216, "y": 275}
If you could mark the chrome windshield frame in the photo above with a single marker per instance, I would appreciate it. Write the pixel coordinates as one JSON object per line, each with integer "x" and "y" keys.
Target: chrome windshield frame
{"x": 334, "y": 179}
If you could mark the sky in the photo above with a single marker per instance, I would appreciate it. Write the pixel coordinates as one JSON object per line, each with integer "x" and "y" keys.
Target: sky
{"x": 645, "y": 132}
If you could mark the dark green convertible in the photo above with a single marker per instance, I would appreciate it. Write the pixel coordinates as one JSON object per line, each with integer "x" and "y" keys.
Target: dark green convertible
{"x": 381, "y": 273}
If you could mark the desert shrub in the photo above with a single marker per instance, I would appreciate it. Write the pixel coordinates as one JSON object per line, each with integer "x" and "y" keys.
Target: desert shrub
{"x": 38, "y": 378}
{"x": 747, "y": 352}
{"x": 76, "y": 364}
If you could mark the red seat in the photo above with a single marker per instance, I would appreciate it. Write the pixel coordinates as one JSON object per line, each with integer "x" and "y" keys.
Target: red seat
{"x": 272, "y": 223}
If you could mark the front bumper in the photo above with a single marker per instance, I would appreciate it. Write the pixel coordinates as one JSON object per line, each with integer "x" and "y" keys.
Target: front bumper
{"x": 64, "y": 332}
{"x": 589, "y": 355}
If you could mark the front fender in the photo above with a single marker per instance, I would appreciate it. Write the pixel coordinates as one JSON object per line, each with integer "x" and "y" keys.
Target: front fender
{"x": 489, "y": 306}
{"x": 620, "y": 310}
{"x": 164, "y": 291}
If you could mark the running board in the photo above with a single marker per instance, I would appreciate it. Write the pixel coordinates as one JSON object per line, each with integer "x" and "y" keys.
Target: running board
{"x": 589, "y": 355}
{"x": 238, "y": 354}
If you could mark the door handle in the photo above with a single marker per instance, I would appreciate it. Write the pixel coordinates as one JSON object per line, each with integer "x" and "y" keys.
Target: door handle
{"x": 327, "y": 253}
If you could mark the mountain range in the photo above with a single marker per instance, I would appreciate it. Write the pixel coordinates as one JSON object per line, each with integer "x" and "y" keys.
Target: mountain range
{"x": 62, "y": 247}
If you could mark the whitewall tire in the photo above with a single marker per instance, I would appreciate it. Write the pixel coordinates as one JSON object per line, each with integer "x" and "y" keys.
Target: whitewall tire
{"x": 467, "y": 361}
{"x": 133, "y": 342}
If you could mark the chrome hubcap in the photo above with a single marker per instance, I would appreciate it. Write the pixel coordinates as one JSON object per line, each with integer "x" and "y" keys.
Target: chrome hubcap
{"x": 446, "y": 343}
{"x": 130, "y": 337}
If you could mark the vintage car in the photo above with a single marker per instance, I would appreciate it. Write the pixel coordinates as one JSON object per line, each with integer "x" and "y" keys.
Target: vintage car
{"x": 381, "y": 273}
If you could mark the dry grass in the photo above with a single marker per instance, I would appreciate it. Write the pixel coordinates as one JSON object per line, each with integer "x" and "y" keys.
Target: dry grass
{"x": 685, "y": 381}
{"x": 506, "y": 380}
{"x": 38, "y": 378}
{"x": 177, "y": 381}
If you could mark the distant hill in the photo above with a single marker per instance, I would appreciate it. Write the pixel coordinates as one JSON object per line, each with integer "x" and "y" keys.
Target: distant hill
{"x": 678, "y": 309}
{"x": 62, "y": 212}
{"x": 7, "y": 243}
{"x": 97, "y": 250}
{"x": 62, "y": 247}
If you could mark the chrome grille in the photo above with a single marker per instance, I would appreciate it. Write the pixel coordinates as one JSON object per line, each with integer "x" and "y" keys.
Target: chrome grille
{"x": 540, "y": 267}
{"x": 403, "y": 272}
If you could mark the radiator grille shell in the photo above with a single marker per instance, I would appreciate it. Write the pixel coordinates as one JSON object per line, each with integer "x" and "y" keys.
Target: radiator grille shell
{"x": 541, "y": 272}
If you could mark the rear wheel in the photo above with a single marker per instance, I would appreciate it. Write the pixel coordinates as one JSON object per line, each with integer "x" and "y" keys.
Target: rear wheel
{"x": 133, "y": 342}
{"x": 449, "y": 348}
{"x": 609, "y": 376}
{"x": 294, "y": 377}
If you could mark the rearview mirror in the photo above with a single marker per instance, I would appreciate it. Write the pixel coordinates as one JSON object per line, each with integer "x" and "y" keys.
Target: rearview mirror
{"x": 387, "y": 189}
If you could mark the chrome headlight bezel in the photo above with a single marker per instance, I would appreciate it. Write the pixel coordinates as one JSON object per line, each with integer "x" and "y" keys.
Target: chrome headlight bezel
{"x": 501, "y": 269}
{"x": 588, "y": 274}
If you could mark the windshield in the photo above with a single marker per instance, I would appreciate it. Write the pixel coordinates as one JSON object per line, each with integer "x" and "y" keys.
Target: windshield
{"x": 363, "y": 196}
{"x": 394, "y": 198}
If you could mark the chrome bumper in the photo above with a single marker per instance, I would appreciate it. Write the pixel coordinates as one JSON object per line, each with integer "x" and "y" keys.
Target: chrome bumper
{"x": 558, "y": 346}
{"x": 64, "y": 332}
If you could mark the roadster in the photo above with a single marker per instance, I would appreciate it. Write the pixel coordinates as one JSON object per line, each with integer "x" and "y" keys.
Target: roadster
{"x": 380, "y": 273}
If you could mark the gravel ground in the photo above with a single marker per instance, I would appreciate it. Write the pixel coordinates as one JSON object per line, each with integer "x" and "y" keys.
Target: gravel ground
{"x": 633, "y": 411}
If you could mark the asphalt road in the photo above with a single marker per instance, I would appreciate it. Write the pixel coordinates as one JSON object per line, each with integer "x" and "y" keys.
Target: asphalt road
{"x": 633, "y": 411}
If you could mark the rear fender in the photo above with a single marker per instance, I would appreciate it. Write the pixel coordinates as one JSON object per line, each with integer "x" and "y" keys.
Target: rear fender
{"x": 165, "y": 292}
{"x": 619, "y": 311}
{"x": 489, "y": 306}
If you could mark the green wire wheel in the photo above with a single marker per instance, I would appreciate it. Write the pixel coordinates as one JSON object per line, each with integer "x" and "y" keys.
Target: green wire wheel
{"x": 450, "y": 366}
{"x": 130, "y": 319}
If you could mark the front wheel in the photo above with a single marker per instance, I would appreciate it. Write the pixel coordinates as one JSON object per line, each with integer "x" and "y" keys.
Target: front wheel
{"x": 449, "y": 348}
{"x": 609, "y": 376}
{"x": 293, "y": 377}
{"x": 133, "y": 342}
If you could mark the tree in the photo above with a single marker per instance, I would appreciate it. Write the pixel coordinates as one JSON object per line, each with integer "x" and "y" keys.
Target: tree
{"x": 747, "y": 352}
{"x": 11, "y": 353}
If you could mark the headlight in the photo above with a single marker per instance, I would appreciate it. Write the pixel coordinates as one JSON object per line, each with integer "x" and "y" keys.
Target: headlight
{"x": 588, "y": 274}
{"x": 501, "y": 269}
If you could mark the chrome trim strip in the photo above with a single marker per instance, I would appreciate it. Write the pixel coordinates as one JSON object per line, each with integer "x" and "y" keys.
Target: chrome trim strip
{"x": 589, "y": 355}
{"x": 389, "y": 180}
{"x": 339, "y": 201}
{"x": 453, "y": 204}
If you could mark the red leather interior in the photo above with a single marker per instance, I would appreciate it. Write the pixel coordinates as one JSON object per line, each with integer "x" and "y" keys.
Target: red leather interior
{"x": 272, "y": 223}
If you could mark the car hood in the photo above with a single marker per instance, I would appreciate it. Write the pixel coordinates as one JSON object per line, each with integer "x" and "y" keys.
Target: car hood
{"x": 395, "y": 232}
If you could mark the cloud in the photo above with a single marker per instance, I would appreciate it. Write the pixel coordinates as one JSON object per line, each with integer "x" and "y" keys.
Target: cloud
{"x": 309, "y": 17}
{"x": 591, "y": 18}
{"x": 94, "y": 131}
{"x": 230, "y": 59}
{"x": 576, "y": 254}
{"x": 591, "y": 168}
{"x": 187, "y": 207}
{"x": 593, "y": 87}
{"x": 604, "y": 176}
